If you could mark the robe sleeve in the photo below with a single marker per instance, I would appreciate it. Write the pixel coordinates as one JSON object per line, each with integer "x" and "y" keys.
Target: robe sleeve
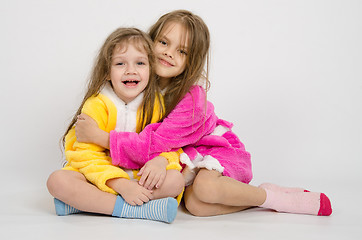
{"x": 191, "y": 119}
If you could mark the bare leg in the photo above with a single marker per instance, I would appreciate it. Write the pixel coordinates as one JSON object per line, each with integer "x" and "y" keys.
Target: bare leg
{"x": 72, "y": 188}
{"x": 214, "y": 194}
{"x": 203, "y": 209}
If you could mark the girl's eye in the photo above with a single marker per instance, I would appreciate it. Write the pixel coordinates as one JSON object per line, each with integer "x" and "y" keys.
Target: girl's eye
{"x": 183, "y": 52}
{"x": 163, "y": 42}
{"x": 141, "y": 63}
{"x": 120, "y": 63}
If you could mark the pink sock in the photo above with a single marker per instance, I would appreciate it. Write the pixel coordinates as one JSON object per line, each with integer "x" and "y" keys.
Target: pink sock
{"x": 300, "y": 202}
{"x": 276, "y": 188}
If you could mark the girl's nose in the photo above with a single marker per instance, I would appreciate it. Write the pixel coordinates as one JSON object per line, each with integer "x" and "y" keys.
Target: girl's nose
{"x": 130, "y": 70}
{"x": 168, "y": 54}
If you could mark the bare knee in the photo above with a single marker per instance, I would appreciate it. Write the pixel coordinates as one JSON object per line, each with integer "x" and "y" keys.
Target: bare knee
{"x": 194, "y": 207}
{"x": 176, "y": 182}
{"x": 53, "y": 182}
{"x": 204, "y": 186}
{"x": 59, "y": 181}
{"x": 173, "y": 185}
{"x": 193, "y": 204}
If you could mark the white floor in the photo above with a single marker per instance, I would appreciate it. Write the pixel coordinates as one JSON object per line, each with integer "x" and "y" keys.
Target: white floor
{"x": 29, "y": 214}
{"x": 286, "y": 73}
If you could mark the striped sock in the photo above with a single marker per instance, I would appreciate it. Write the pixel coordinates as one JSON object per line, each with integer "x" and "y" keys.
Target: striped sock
{"x": 164, "y": 209}
{"x": 63, "y": 209}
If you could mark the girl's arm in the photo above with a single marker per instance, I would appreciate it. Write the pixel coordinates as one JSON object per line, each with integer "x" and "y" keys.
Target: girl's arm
{"x": 91, "y": 159}
{"x": 186, "y": 124}
{"x": 87, "y": 131}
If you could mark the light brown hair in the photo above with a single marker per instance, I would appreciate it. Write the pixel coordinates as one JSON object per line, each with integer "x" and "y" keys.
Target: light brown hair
{"x": 121, "y": 37}
{"x": 196, "y": 59}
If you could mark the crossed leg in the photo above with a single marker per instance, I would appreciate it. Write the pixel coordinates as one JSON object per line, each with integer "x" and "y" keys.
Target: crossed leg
{"x": 213, "y": 194}
{"x": 72, "y": 188}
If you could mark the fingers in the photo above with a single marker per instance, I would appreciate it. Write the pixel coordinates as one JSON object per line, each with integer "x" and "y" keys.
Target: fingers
{"x": 148, "y": 195}
{"x": 149, "y": 181}
{"x": 80, "y": 117}
{"x": 154, "y": 181}
{"x": 84, "y": 117}
{"x": 152, "y": 175}
{"x": 160, "y": 181}
{"x": 142, "y": 197}
{"x": 138, "y": 202}
{"x": 143, "y": 177}
{"x": 141, "y": 171}
{"x": 79, "y": 122}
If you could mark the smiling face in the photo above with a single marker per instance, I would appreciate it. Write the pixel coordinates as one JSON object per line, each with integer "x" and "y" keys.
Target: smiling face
{"x": 171, "y": 52}
{"x": 130, "y": 72}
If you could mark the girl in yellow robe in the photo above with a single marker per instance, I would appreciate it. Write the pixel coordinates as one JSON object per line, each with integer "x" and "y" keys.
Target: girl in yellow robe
{"x": 122, "y": 95}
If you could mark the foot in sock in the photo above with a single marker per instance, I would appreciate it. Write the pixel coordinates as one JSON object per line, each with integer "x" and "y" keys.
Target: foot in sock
{"x": 299, "y": 202}
{"x": 63, "y": 209}
{"x": 164, "y": 209}
{"x": 277, "y": 188}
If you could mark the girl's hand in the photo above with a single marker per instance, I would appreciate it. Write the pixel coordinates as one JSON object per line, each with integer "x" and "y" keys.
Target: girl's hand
{"x": 87, "y": 130}
{"x": 131, "y": 191}
{"x": 153, "y": 173}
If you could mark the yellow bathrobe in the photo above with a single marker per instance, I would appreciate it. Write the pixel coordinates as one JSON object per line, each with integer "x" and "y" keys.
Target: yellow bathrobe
{"x": 93, "y": 161}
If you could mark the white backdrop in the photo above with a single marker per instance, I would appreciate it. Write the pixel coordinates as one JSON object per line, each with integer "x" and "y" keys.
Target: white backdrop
{"x": 286, "y": 73}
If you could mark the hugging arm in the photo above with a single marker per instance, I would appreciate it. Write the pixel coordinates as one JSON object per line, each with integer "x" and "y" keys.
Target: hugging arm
{"x": 186, "y": 124}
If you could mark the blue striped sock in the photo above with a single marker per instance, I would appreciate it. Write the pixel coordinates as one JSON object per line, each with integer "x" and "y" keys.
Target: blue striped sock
{"x": 164, "y": 209}
{"x": 63, "y": 209}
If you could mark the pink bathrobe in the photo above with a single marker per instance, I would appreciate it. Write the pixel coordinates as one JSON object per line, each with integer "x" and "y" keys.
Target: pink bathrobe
{"x": 191, "y": 126}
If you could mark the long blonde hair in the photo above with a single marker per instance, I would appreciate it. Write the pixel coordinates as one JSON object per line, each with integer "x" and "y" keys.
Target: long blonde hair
{"x": 197, "y": 54}
{"x": 102, "y": 67}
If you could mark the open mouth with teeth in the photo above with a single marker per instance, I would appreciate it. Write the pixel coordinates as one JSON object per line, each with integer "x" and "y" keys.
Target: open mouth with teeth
{"x": 130, "y": 83}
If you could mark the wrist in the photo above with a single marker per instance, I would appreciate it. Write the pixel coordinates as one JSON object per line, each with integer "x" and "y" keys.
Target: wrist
{"x": 114, "y": 182}
{"x": 103, "y": 139}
